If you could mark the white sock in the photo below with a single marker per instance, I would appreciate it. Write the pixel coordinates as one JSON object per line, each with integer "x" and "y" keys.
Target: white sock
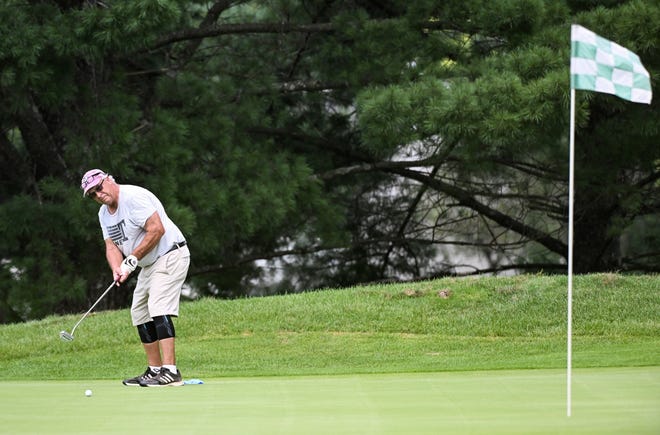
{"x": 171, "y": 368}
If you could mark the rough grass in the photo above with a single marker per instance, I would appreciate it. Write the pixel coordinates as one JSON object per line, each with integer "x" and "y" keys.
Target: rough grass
{"x": 442, "y": 325}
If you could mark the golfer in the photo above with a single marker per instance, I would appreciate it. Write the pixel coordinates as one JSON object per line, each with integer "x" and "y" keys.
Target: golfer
{"x": 138, "y": 232}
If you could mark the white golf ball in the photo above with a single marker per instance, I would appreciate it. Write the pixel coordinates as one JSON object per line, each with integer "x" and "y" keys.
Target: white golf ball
{"x": 88, "y": 393}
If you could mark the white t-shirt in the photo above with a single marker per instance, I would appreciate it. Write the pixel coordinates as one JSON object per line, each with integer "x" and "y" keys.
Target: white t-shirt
{"x": 126, "y": 226}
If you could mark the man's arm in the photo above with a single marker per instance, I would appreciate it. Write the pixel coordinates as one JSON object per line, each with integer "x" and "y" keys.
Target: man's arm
{"x": 114, "y": 257}
{"x": 154, "y": 230}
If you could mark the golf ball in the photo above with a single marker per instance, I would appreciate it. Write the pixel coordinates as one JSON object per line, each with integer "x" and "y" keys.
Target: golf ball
{"x": 88, "y": 393}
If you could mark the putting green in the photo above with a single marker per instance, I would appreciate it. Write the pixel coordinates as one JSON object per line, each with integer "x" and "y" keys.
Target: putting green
{"x": 605, "y": 401}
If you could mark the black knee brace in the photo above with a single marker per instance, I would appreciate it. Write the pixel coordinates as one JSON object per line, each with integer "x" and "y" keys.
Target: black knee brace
{"x": 164, "y": 327}
{"x": 147, "y": 332}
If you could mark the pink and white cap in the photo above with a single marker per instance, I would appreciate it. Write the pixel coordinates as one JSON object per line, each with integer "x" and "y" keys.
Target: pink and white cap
{"x": 92, "y": 178}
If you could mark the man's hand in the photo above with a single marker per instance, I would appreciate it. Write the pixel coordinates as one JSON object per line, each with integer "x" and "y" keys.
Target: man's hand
{"x": 128, "y": 265}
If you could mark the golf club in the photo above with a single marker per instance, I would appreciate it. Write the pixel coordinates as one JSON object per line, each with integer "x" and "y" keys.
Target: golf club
{"x": 69, "y": 337}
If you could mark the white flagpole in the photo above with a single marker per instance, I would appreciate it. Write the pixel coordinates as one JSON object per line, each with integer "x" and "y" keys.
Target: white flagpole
{"x": 569, "y": 322}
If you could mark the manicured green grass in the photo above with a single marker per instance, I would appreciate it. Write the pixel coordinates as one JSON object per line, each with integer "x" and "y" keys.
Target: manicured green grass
{"x": 473, "y": 355}
{"x": 606, "y": 401}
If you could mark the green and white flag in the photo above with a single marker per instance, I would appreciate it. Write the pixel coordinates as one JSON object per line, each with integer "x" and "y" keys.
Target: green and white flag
{"x": 604, "y": 66}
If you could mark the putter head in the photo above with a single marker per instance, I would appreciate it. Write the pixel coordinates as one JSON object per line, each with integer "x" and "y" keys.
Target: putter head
{"x": 66, "y": 336}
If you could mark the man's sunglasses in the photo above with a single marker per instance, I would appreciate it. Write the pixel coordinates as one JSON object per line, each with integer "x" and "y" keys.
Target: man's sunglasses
{"x": 96, "y": 189}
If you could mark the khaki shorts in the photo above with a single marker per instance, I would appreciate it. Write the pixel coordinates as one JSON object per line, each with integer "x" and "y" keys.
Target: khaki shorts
{"x": 158, "y": 288}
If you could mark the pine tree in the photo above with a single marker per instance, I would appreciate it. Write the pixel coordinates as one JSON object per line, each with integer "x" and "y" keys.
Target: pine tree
{"x": 336, "y": 142}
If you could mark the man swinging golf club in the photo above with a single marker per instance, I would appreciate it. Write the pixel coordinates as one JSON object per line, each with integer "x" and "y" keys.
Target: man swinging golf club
{"x": 138, "y": 232}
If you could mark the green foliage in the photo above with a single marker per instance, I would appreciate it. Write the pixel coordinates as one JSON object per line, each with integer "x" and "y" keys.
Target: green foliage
{"x": 127, "y": 25}
{"x": 264, "y": 139}
{"x": 509, "y": 107}
{"x": 43, "y": 271}
{"x": 386, "y": 112}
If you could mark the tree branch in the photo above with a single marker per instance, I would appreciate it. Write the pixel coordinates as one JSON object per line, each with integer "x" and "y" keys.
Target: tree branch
{"x": 13, "y": 170}
{"x": 502, "y": 268}
{"x": 380, "y": 166}
{"x": 202, "y": 270}
{"x": 409, "y": 214}
{"x": 39, "y": 141}
{"x": 209, "y": 21}
{"x": 211, "y": 30}
{"x": 465, "y": 199}
{"x": 236, "y": 29}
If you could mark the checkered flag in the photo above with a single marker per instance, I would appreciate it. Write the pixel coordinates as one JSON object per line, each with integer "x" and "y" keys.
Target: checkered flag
{"x": 604, "y": 66}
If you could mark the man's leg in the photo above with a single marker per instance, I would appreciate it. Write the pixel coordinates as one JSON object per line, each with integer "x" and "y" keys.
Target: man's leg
{"x": 169, "y": 374}
{"x": 148, "y": 333}
{"x": 166, "y": 334}
{"x": 153, "y": 354}
{"x": 169, "y": 273}
{"x": 149, "y": 337}
{"x": 168, "y": 352}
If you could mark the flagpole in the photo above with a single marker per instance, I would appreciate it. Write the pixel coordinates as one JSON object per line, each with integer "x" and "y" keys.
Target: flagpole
{"x": 591, "y": 71}
{"x": 569, "y": 320}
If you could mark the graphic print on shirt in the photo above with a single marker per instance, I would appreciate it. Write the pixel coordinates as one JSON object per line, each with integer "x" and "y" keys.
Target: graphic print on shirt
{"x": 117, "y": 233}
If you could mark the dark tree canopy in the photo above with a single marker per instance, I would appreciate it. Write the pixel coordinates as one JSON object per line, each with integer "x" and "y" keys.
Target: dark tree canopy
{"x": 302, "y": 144}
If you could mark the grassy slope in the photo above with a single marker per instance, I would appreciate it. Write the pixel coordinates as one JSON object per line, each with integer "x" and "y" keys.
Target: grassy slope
{"x": 484, "y": 324}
